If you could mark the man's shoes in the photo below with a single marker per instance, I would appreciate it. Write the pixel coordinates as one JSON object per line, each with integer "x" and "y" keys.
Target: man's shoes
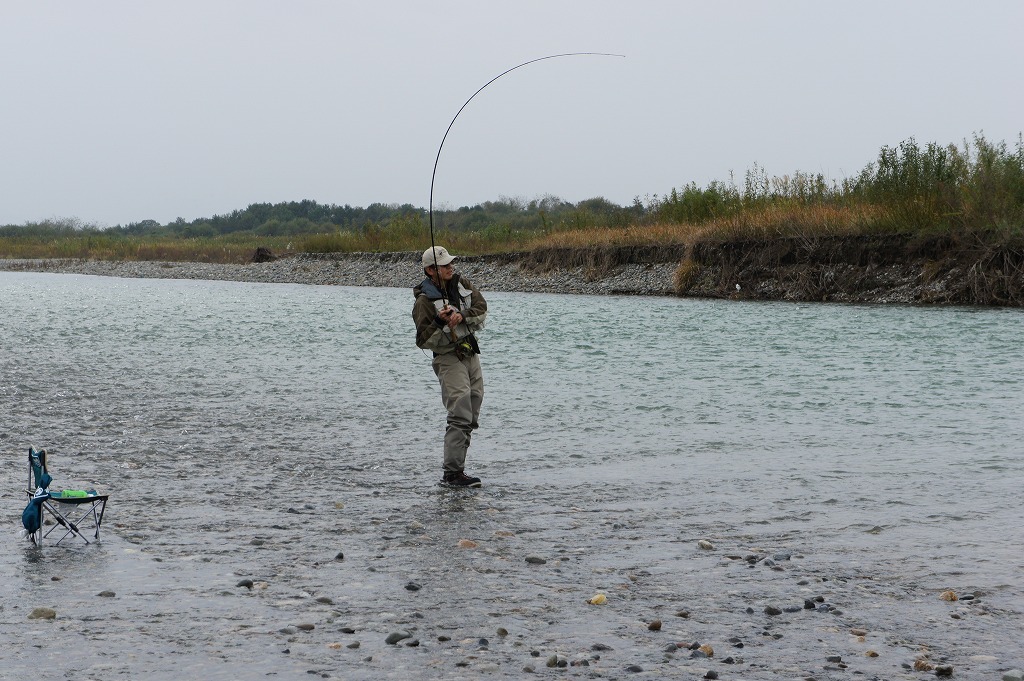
{"x": 460, "y": 479}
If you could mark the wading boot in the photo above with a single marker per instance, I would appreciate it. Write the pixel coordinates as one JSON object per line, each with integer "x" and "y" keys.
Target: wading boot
{"x": 460, "y": 479}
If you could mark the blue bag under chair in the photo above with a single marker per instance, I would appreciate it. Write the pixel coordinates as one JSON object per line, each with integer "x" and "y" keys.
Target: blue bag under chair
{"x": 72, "y": 510}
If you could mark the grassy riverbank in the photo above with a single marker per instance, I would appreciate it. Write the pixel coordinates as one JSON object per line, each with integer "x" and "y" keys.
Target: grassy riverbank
{"x": 971, "y": 193}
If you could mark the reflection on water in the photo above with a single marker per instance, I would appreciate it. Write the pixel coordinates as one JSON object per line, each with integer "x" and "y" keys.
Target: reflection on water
{"x": 259, "y": 431}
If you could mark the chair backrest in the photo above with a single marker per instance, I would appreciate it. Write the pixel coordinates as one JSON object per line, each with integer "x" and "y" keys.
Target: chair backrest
{"x": 38, "y": 477}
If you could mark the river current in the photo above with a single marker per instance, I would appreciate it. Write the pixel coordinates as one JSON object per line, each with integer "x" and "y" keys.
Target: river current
{"x": 700, "y": 463}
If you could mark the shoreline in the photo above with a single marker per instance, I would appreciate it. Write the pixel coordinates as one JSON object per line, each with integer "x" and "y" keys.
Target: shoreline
{"x": 882, "y": 269}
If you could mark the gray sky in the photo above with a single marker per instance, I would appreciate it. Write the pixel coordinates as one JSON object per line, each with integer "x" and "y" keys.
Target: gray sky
{"x": 116, "y": 112}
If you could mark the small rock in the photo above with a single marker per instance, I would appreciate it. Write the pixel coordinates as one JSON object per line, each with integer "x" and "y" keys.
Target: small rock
{"x": 948, "y": 596}
{"x": 257, "y": 542}
{"x": 834, "y": 658}
{"x": 247, "y": 583}
{"x": 396, "y": 636}
{"x": 339, "y": 556}
{"x": 859, "y": 632}
{"x": 944, "y": 671}
{"x": 552, "y": 661}
{"x": 325, "y": 600}
{"x": 707, "y": 650}
{"x": 1013, "y": 675}
{"x": 711, "y": 674}
{"x": 413, "y": 586}
{"x": 287, "y": 630}
{"x": 444, "y": 639}
{"x": 809, "y": 604}
{"x": 415, "y": 643}
{"x": 502, "y": 631}
{"x": 923, "y": 665}
{"x": 705, "y": 545}
{"x": 655, "y": 625}
{"x": 334, "y": 646}
{"x": 597, "y": 599}
{"x": 528, "y": 669}
{"x": 635, "y": 668}
{"x": 353, "y": 645}
{"x": 347, "y": 630}
{"x": 106, "y": 594}
{"x": 42, "y": 614}
{"x": 467, "y": 544}
{"x": 483, "y": 642}
{"x": 535, "y": 560}
{"x": 772, "y": 611}
{"x": 683, "y": 613}
{"x": 600, "y": 647}
{"x": 305, "y": 627}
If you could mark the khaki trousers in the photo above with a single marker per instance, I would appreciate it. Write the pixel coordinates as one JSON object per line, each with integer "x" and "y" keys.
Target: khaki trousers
{"x": 462, "y": 392}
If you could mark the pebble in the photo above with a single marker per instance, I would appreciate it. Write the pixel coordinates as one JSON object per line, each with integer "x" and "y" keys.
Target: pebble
{"x": 635, "y": 668}
{"x": 944, "y": 671}
{"x": 1013, "y": 675}
{"x": 339, "y": 556}
{"x": 467, "y": 544}
{"x": 396, "y": 636}
{"x": 353, "y": 645}
{"x": 655, "y": 625}
{"x": 705, "y": 545}
{"x": 247, "y": 583}
{"x": 772, "y": 611}
{"x": 535, "y": 560}
{"x": 106, "y": 594}
{"x": 305, "y": 627}
{"x": 347, "y": 630}
{"x": 43, "y": 614}
{"x": 413, "y": 586}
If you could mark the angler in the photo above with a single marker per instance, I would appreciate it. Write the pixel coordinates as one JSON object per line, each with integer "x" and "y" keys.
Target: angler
{"x": 448, "y": 311}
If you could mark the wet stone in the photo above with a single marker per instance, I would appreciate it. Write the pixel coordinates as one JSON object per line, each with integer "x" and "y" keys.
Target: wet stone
{"x": 347, "y": 630}
{"x": 247, "y": 583}
{"x": 396, "y": 636}
{"x": 415, "y": 643}
{"x": 792, "y": 608}
{"x": 535, "y": 560}
{"x": 106, "y": 594}
{"x": 654, "y": 626}
{"x": 945, "y": 671}
{"x": 772, "y": 611}
{"x": 834, "y": 658}
{"x": 600, "y": 647}
{"x": 42, "y": 614}
{"x": 412, "y": 586}
{"x": 635, "y": 668}
{"x": 287, "y": 630}
{"x": 353, "y": 645}
{"x": 1013, "y": 675}
{"x": 711, "y": 675}
{"x": 305, "y": 627}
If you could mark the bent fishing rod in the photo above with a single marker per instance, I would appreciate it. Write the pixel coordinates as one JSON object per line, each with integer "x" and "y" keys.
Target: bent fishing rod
{"x": 433, "y": 249}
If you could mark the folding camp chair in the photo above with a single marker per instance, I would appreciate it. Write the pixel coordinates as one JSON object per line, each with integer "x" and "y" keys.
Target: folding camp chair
{"x": 71, "y": 510}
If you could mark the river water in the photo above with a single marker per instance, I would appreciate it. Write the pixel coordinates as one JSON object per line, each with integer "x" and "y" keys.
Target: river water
{"x": 857, "y": 460}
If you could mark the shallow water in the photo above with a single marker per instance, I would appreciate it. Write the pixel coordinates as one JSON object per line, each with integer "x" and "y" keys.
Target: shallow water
{"x": 255, "y": 431}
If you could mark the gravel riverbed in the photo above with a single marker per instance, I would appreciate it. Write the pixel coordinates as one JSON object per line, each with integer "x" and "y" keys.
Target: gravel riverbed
{"x": 398, "y": 270}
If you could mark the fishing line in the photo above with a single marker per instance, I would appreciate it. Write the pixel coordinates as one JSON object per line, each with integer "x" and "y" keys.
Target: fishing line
{"x": 433, "y": 175}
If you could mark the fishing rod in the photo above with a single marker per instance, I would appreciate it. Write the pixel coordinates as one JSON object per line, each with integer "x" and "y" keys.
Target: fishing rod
{"x": 433, "y": 249}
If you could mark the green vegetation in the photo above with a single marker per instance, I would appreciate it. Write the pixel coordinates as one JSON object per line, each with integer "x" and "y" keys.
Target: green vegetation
{"x": 976, "y": 189}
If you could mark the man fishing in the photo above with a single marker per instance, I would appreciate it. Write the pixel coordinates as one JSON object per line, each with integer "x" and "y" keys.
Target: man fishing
{"x": 447, "y": 312}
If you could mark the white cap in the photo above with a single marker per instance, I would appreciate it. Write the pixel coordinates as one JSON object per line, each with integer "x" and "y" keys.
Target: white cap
{"x": 438, "y": 255}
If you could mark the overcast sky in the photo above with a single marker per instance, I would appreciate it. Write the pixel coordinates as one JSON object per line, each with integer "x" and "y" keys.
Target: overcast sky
{"x": 117, "y": 112}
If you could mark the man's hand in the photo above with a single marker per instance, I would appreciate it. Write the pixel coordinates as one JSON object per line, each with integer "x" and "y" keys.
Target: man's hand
{"x": 451, "y": 316}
